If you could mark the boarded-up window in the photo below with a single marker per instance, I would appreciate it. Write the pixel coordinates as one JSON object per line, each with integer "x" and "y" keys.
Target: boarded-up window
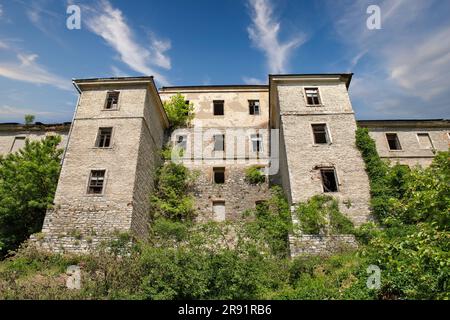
{"x": 257, "y": 143}
{"x": 218, "y": 107}
{"x": 104, "y": 138}
{"x": 219, "y": 210}
{"x": 253, "y": 106}
{"x": 312, "y": 96}
{"x": 425, "y": 141}
{"x": 219, "y": 142}
{"x": 219, "y": 175}
{"x": 96, "y": 182}
{"x": 112, "y": 100}
{"x": 393, "y": 142}
{"x": 329, "y": 180}
{"x": 320, "y": 133}
{"x": 18, "y": 143}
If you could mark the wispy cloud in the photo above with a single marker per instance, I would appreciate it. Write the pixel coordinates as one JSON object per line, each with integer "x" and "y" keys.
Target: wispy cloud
{"x": 406, "y": 63}
{"x": 264, "y": 34}
{"x": 110, "y": 24}
{"x": 28, "y": 70}
{"x": 116, "y": 72}
{"x": 7, "y": 112}
{"x": 1, "y": 10}
{"x": 250, "y": 80}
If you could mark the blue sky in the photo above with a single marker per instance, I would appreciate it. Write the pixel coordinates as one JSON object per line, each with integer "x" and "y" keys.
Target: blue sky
{"x": 401, "y": 70}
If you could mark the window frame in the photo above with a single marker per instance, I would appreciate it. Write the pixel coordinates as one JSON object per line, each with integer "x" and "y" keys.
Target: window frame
{"x": 319, "y": 104}
{"x": 397, "y": 139}
{"x": 88, "y": 193}
{"x": 97, "y": 146}
{"x": 214, "y": 108}
{"x": 326, "y": 131}
{"x": 254, "y": 107}
{"x": 24, "y": 138}
{"x": 108, "y": 93}
{"x": 259, "y": 137}
{"x": 336, "y": 179}
{"x": 429, "y": 139}
{"x": 223, "y": 142}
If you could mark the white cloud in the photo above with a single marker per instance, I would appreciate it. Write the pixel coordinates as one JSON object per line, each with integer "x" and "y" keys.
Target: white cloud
{"x": 3, "y": 45}
{"x": 250, "y": 80}
{"x": 264, "y": 34}
{"x": 116, "y": 72}
{"x": 406, "y": 62}
{"x": 8, "y": 112}
{"x": 110, "y": 24}
{"x": 28, "y": 70}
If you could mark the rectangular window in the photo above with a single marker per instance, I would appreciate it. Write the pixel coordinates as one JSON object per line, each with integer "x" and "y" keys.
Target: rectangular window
{"x": 257, "y": 145}
{"x": 18, "y": 143}
{"x": 112, "y": 100}
{"x": 393, "y": 142}
{"x": 219, "y": 142}
{"x": 96, "y": 181}
{"x": 219, "y": 175}
{"x": 182, "y": 142}
{"x": 320, "y": 133}
{"x": 253, "y": 106}
{"x": 218, "y": 107}
{"x": 329, "y": 180}
{"x": 104, "y": 138}
{"x": 219, "y": 210}
{"x": 424, "y": 141}
{"x": 312, "y": 96}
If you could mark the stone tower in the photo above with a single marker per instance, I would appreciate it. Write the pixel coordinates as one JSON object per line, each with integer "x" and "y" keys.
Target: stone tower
{"x": 317, "y": 149}
{"x": 109, "y": 164}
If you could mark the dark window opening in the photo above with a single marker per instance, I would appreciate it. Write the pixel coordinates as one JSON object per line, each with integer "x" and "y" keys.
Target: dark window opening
{"x": 329, "y": 180}
{"x": 219, "y": 142}
{"x": 182, "y": 142}
{"x": 253, "y": 106}
{"x": 320, "y": 133}
{"x": 312, "y": 96}
{"x": 112, "y": 100}
{"x": 186, "y": 103}
{"x": 96, "y": 182}
{"x": 218, "y": 107}
{"x": 394, "y": 143}
{"x": 219, "y": 175}
{"x": 104, "y": 137}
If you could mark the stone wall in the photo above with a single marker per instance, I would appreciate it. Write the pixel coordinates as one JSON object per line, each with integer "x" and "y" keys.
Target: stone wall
{"x": 320, "y": 245}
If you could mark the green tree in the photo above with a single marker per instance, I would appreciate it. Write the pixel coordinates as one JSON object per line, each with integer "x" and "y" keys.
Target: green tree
{"x": 178, "y": 111}
{"x": 28, "y": 180}
{"x": 29, "y": 119}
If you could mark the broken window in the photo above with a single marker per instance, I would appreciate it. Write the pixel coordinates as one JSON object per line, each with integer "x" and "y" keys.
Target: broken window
{"x": 19, "y": 143}
{"x": 329, "y": 180}
{"x": 320, "y": 133}
{"x": 393, "y": 142}
{"x": 256, "y": 140}
{"x": 182, "y": 142}
{"x": 219, "y": 210}
{"x": 104, "y": 138}
{"x": 219, "y": 142}
{"x": 253, "y": 106}
{"x": 112, "y": 100}
{"x": 96, "y": 181}
{"x": 312, "y": 96}
{"x": 219, "y": 175}
{"x": 424, "y": 141}
{"x": 218, "y": 107}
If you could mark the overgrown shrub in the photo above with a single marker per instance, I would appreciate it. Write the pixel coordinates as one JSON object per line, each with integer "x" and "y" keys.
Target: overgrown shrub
{"x": 253, "y": 175}
{"x": 178, "y": 112}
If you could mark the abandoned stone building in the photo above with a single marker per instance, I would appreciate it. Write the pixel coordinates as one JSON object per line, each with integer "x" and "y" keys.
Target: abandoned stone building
{"x": 299, "y": 129}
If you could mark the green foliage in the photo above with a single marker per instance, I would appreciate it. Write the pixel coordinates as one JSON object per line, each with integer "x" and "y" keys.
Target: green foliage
{"x": 253, "y": 175}
{"x": 179, "y": 113}
{"x": 171, "y": 198}
{"x": 29, "y": 119}
{"x": 321, "y": 215}
{"x": 28, "y": 181}
{"x": 272, "y": 222}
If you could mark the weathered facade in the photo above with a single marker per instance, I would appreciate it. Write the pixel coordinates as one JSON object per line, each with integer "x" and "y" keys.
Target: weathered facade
{"x": 300, "y": 129}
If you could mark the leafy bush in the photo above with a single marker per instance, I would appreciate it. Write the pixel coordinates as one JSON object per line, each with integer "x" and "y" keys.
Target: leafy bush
{"x": 253, "y": 175}
{"x": 178, "y": 112}
{"x": 321, "y": 215}
{"x": 28, "y": 181}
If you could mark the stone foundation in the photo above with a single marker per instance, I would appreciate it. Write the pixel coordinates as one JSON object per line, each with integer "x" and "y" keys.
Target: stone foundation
{"x": 320, "y": 244}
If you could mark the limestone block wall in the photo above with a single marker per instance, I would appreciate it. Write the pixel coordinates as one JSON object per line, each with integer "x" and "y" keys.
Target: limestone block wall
{"x": 320, "y": 245}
